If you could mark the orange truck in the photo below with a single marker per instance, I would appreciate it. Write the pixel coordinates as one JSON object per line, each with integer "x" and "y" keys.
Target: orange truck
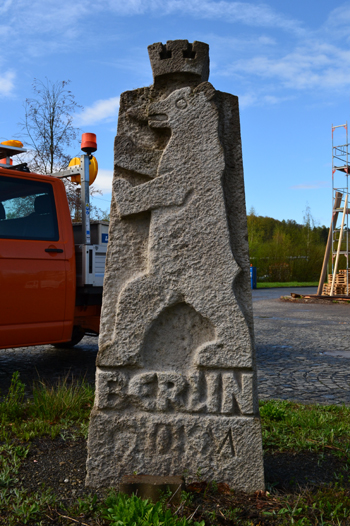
{"x": 51, "y": 270}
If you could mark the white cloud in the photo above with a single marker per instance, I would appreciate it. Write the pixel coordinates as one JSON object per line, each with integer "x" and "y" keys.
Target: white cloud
{"x": 101, "y": 110}
{"x": 103, "y": 181}
{"x": 39, "y": 18}
{"x": 249, "y": 13}
{"x": 255, "y": 99}
{"x": 5, "y": 7}
{"x": 311, "y": 65}
{"x": 338, "y": 22}
{"x": 42, "y": 26}
{"x": 7, "y": 83}
{"x": 318, "y": 59}
{"x": 248, "y": 99}
{"x": 311, "y": 186}
{"x": 309, "y": 60}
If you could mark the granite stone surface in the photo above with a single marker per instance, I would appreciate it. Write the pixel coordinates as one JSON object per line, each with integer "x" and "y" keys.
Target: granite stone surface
{"x": 176, "y": 384}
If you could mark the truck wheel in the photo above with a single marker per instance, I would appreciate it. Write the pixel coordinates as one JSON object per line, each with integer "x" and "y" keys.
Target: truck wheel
{"x": 77, "y": 335}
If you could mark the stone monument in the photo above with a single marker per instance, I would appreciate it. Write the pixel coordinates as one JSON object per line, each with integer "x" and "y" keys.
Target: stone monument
{"x": 176, "y": 384}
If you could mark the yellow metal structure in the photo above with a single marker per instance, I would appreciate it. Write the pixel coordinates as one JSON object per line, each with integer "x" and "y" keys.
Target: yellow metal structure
{"x": 93, "y": 169}
{"x": 12, "y": 142}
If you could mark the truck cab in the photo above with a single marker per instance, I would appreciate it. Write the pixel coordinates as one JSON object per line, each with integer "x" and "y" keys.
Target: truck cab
{"x": 51, "y": 271}
{"x": 37, "y": 260}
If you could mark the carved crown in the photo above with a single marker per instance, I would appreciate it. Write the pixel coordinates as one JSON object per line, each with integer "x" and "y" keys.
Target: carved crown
{"x": 179, "y": 56}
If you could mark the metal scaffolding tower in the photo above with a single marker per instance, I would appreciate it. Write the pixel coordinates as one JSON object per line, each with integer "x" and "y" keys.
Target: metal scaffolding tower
{"x": 340, "y": 193}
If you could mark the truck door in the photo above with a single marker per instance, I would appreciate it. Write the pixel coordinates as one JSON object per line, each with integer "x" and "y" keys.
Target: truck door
{"x": 32, "y": 263}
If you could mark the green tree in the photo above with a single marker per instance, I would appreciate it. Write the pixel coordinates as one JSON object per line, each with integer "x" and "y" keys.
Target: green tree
{"x": 285, "y": 250}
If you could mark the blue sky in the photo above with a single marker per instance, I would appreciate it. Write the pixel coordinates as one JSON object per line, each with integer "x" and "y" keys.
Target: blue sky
{"x": 288, "y": 62}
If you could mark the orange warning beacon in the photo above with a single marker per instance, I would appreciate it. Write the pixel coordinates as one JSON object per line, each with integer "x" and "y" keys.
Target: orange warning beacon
{"x": 88, "y": 143}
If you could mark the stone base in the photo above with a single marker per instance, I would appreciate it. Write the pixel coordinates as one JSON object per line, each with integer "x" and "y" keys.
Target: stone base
{"x": 225, "y": 449}
{"x": 153, "y": 487}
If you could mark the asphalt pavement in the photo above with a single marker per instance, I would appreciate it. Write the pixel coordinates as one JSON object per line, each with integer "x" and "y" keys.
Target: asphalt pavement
{"x": 302, "y": 349}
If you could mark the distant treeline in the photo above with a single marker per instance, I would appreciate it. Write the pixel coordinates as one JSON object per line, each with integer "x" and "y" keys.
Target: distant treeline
{"x": 286, "y": 250}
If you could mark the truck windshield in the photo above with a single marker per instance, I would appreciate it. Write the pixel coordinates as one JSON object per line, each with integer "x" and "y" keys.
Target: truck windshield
{"x": 27, "y": 210}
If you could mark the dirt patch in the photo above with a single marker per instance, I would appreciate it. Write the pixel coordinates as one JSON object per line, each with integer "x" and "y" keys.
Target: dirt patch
{"x": 60, "y": 465}
{"x": 318, "y": 301}
{"x": 294, "y": 471}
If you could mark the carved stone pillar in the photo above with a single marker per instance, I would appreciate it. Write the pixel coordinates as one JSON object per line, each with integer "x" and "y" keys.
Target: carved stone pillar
{"x": 176, "y": 385}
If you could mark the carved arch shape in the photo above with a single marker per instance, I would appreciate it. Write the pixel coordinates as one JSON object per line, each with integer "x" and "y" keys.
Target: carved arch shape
{"x": 172, "y": 339}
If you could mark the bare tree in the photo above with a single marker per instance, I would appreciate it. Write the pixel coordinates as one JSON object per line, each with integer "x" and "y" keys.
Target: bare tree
{"x": 49, "y": 130}
{"x": 48, "y": 125}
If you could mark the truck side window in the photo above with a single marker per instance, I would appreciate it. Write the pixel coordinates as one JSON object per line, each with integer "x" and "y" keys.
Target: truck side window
{"x": 27, "y": 210}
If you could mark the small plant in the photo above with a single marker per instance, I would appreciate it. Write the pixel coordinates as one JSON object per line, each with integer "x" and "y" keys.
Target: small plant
{"x": 187, "y": 497}
{"x": 122, "y": 510}
{"x": 25, "y": 508}
{"x": 10, "y": 459}
{"x": 62, "y": 401}
{"x": 214, "y": 486}
{"x": 199, "y": 473}
{"x": 233, "y": 513}
{"x": 12, "y": 406}
{"x": 87, "y": 505}
{"x": 185, "y": 474}
{"x": 273, "y": 410}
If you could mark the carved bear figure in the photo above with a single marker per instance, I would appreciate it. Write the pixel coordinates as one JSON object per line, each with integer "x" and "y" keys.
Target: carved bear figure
{"x": 188, "y": 231}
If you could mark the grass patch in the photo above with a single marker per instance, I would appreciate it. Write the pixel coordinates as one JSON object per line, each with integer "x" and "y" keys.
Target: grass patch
{"x": 51, "y": 410}
{"x": 266, "y": 285}
{"x": 287, "y": 426}
{"x": 64, "y": 410}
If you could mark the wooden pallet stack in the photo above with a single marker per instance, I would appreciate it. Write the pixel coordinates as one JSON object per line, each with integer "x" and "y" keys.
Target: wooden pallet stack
{"x": 339, "y": 286}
